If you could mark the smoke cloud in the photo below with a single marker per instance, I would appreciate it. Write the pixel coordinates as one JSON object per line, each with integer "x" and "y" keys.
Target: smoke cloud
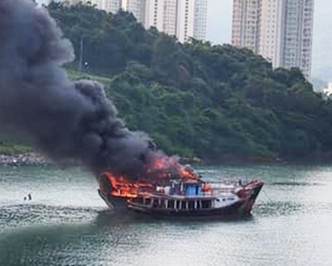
{"x": 64, "y": 119}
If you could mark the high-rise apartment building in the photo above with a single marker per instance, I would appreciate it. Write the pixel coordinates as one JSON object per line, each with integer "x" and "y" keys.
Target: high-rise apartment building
{"x": 112, "y": 6}
{"x": 279, "y": 30}
{"x": 170, "y": 17}
{"x": 137, "y": 7}
{"x": 298, "y": 34}
{"x": 154, "y": 13}
{"x": 271, "y": 28}
{"x": 184, "y": 19}
{"x": 245, "y": 28}
{"x": 161, "y": 14}
{"x": 200, "y": 19}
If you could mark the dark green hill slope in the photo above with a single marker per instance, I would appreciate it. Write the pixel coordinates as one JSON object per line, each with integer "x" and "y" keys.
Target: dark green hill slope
{"x": 197, "y": 99}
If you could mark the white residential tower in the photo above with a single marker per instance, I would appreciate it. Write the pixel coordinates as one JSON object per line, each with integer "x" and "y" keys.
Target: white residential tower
{"x": 279, "y": 30}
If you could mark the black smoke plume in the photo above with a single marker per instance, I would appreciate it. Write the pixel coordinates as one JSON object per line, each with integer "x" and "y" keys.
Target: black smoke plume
{"x": 64, "y": 119}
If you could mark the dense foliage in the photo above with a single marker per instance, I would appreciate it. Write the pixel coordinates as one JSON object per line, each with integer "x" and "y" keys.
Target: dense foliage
{"x": 197, "y": 99}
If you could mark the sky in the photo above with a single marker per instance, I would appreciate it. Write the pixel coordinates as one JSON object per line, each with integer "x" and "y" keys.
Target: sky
{"x": 219, "y": 26}
{"x": 322, "y": 40}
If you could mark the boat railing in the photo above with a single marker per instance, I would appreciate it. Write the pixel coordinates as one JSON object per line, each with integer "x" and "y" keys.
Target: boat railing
{"x": 210, "y": 189}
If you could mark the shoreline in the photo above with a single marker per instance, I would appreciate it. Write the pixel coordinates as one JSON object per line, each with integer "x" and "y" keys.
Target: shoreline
{"x": 36, "y": 159}
{"x": 26, "y": 159}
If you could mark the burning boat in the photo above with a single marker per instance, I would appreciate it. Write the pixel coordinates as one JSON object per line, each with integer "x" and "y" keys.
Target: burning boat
{"x": 179, "y": 191}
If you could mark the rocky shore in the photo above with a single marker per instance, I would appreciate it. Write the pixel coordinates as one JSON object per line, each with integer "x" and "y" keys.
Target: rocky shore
{"x": 35, "y": 159}
{"x": 28, "y": 159}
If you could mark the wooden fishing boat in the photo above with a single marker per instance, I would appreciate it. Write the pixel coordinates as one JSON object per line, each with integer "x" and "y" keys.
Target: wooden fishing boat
{"x": 181, "y": 197}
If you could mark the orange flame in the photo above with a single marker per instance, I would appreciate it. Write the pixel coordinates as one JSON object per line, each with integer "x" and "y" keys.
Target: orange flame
{"x": 123, "y": 188}
{"x": 162, "y": 167}
{"x": 169, "y": 166}
{"x": 187, "y": 174}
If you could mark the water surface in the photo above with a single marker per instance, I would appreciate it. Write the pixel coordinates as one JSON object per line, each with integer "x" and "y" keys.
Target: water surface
{"x": 66, "y": 223}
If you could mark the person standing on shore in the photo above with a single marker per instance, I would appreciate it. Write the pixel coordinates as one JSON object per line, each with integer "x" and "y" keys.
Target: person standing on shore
{"x": 29, "y": 197}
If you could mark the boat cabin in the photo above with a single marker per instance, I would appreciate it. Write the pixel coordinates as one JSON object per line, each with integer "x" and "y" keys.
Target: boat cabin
{"x": 183, "y": 196}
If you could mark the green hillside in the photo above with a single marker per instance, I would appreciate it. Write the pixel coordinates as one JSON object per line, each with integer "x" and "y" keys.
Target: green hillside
{"x": 198, "y": 99}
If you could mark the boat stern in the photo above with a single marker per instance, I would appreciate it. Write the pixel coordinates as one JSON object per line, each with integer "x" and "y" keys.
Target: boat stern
{"x": 105, "y": 192}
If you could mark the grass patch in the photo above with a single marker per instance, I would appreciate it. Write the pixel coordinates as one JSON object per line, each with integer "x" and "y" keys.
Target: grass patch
{"x": 75, "y": 75}
{"x": 14, "y": 149}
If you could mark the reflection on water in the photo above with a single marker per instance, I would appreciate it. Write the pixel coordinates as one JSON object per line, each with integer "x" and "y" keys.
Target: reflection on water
{"x": 295, "y": 184}
{"x": 67, "y": 224}
{"x": 66, "y": 243}
{"x": 277, "y": 208}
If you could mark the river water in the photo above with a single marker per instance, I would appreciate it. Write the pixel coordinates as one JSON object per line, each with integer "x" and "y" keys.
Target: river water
{"x": 66, "y": 223}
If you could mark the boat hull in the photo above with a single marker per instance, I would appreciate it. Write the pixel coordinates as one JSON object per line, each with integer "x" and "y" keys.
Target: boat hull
{"x": 240, "y": 208}
{"x": 115, "y": 203}
{"x": 235, "y": 209}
